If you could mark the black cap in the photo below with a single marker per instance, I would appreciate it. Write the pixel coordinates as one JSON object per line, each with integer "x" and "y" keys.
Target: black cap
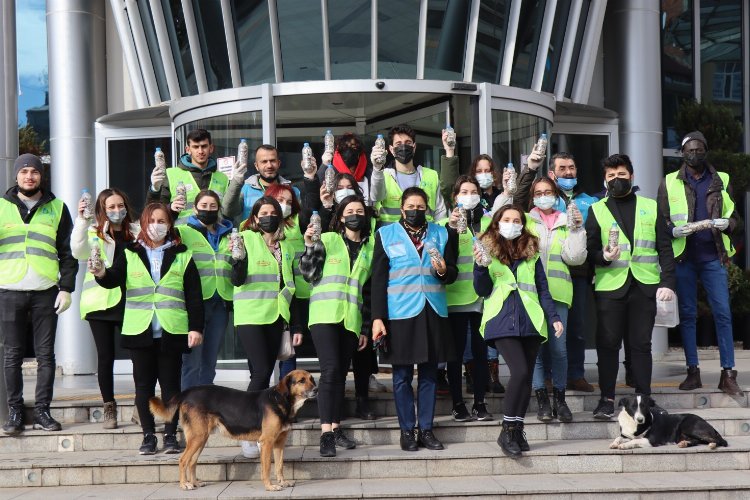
{"x": 694, "y": 136}
{"x": 27, "y": 160}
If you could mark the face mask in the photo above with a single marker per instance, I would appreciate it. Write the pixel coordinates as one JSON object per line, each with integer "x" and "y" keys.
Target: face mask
{"x": 510, "y": 230}
{"x": 350, "y": 157}
{"x": 485, "y": 180}
{"x": 544, "y": 202}
{"x": 619, "y": 187}
{"x": 468, "y": 201}
{"x": 415, "y": 218}
{"x": 286, "y": 210}
{"x": 695, "y": 160}
{"x": 269, "y": 223}
{"x": 354, "y": 222}
{"x": 157, "y": 232}
{"x": 340, "y": 194}
{"x": 117, "y": 216}
{"x": 403, "y": 153}
{"x": 207, "y": 217}
{"x": 566, "y": 184}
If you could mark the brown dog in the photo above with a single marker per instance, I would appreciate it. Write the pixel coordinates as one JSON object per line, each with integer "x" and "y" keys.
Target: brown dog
{"x": 263, "y": 416}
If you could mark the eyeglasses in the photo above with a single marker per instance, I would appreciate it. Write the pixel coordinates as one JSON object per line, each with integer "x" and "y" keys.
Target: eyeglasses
{"x": 544, "y": 193}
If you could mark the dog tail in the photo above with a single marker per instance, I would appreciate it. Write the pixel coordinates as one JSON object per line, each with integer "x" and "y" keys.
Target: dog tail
{"x": 159, "y": 409}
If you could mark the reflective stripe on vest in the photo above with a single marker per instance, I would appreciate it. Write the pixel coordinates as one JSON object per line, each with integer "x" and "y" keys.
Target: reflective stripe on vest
{"x": 504, "y": 282}
{"x": 410, "y": 282}
{"x": 642, "y": 259}
{"x": 678, "y": 210}
{"x": 293, "y": 237}
{"x": 32, "y": 244}
{"x": 558, "y": 274}
{"x": 389, "y": 208}
{"x": 261, "y": 300}
{"x": 214, "y": 268}
{"x": 218, "y": 184}
{"x": 337, "y": 296}
{"x": 144, "y": 298}
{"x": 461, "y": 292}
{"x": 93, "y": 296}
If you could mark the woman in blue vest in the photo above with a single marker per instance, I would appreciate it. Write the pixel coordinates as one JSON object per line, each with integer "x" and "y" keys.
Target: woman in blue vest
{"x": 413, "y": 262}
{"x": 517, "y": 301}
{"x": 113, "y": 228}
{"x": 150, "y": 269}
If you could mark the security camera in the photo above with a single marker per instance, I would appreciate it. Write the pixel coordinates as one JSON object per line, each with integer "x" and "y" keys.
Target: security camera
{"x": 380, "y": 85}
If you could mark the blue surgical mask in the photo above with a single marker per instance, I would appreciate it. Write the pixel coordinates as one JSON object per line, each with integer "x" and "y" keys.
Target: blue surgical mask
{"x": 567, "y": 184}
{"x": 544, "y": 202}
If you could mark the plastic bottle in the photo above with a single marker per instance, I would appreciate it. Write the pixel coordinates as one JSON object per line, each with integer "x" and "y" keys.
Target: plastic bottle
{"x": 181, "y": 190}
{"x": 380, "y": 160}
{"x": 541, "y": 145}
{"x": 432, "y": 250}
{"x": 307, "y": 159}
{"x": 242, "y": 152}
{"x": 160, "y": 162}
{"x": 317, "y": 225}
{"x": 485, "y": 260}
{"x": 236, "y": 240}
{"x": 96, "y": 254}
{"x": 450, "y": 137}
{"x": 461, "y": 223}
{"x": 330, "y": 179}
{"x": 614, "y": 236}
{"x": 88, "y": 210}
{"x": 512, "y": 185}
{"x": 328, "y": 142}
{"x": 573, "y": 214}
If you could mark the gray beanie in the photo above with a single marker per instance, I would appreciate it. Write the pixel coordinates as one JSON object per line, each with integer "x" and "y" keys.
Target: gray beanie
{"x": 27, "y": 160}
{"x": 694, "y": 136}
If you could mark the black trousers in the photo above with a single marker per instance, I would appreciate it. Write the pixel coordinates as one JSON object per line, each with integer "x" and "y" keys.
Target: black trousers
{"x": 461, "y": 323}
{"x": 520, "y": 355}
{"x": 631, "y": 316}
{"x": 104, "y": 333}
{"x": 150, "y": 365}
{"x": 261, "y": 344}
{"x": 364, "y": 364}
{"x": 18, "y": 309}
{"x": 335, "y": 346}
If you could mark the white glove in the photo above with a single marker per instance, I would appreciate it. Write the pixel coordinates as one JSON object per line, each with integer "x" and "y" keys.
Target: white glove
{"x": 682, "y": 231}
{"x": 375, "y": 154}
{"x": 327, "y": 158}
{"x": 62, "y": 302}
{"x": 664, "y": 294}
{"x": 534, "y": 160}
{"x": 238, "y": 172}
{"x": 611, "y": 254}
{"x": 157, "y": 178}
{"x": 720, "y": 224}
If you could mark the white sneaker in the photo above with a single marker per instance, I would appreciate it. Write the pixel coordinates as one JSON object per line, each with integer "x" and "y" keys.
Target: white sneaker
{"x": 250, "y": 449}
{"x": 376, "y": 386}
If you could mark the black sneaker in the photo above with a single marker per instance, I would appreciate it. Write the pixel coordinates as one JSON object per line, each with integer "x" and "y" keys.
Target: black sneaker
{"x": 14, "y": 425}
{"x": 460, "y": 413}
{"x": 479, "y": 411}
{"x": 148, "y": 446}
{"x": 605, "y": 410}
{"x": 427, "y": 439}
{"x": 327, "y": 445}
{"x": 171, "y": 446}
{"x": 342, "y": 441}
{"x": 43, "y": 420}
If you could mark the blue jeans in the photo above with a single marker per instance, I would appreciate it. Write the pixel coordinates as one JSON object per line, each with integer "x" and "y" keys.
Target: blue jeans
{"x": 576, "y": 329}
{"x": 713, "y": 276}
{"x": 558, "y": 354}
{"x": 403, "y": 394}
{"x": 199, "y": 365}
{"x": 492, "y": 354}
{"x": 287, "y": 366}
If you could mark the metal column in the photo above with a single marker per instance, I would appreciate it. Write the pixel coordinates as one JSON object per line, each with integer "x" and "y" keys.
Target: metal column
{"x": 8, "y": 96}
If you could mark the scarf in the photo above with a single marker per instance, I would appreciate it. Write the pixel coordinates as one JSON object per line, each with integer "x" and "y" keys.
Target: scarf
{"x": 359, "y": 171}
{"x": 415, "y": 235}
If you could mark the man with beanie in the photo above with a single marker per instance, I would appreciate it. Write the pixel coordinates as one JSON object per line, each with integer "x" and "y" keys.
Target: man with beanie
{"x": 697, "y": 206}
{"x": 39, "y": 274}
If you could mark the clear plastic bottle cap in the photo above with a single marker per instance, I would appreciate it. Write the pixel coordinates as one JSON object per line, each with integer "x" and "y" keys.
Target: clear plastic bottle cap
{"x": 328, "y": 131}
{"x": 84, "y": 190}
{"x": 158, "y": 150}
{"x": 460, "y": 205}
{"x": 307, "y": 145}
{"x": 315, "y": 212}
{"x": 510, "y": 165}
{"x": 544, "y": 136}
{"x": 380, "y": 136}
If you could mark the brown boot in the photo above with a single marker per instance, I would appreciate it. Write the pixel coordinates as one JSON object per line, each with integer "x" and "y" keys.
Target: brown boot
{"x": 580, "y": 384}
{"x": 693, "y": 379}
{"x": 110, "y": 415}
{"x": 728, "y": 383}
{"x": 496, "y": 387}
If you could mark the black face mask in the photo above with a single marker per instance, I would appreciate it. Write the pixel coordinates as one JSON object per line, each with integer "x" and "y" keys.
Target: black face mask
{"x": 350, "y": 157}
{"x": 29, "y": 192}
{"x": 207, "y": 217}
{"x": 403, "y": 153}
{"x": 355, "y": 222}
{"x": 694, "y": 160}
{"x": 269, "y": 223}
{"x": 415, "y": 218}
{"x": 619, "y": 187}
{"x": 269, "y": 180}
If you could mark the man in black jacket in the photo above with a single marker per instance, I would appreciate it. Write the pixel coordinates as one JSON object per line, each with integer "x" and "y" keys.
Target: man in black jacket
{"x": 39, "y": 274}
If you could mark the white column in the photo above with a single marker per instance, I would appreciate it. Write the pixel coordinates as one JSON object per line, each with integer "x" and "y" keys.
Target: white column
{"x": 8, "y": 95}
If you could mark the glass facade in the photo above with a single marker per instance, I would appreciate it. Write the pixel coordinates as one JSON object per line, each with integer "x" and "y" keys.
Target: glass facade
{"x": 178, "y": 38}
{"x": 210, "y": 27}
{"x": 527, "y": 41}
{"x": 585, "y": 6}
{"x": 147, "y": 21}
{"x": 514, "y": 135}
{"x": 226, "y": 132}
{"x": 447, "y": 26}
{"x": 301, "y": 34}
{"x": 350, "y": 38}
{"x": 559, "y": 27}
{"x": 490, "y": 45}
{"x": 252, "y": 31}
{"x": 398, "y": 34}
{"x": 676, "y": 64}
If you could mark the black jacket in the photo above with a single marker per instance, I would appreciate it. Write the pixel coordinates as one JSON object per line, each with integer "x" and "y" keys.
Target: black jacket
{"x": 115, "y": 276}
{"x": 68, "y": 263}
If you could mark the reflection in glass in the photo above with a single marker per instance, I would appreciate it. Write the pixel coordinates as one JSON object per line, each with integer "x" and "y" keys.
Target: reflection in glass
{"x": 490, "y": 47}
{"x": 349, "y": 38}
{"x": 178, "y": 39}
{"x": 527, "y": 41}
{"x": 676, "y": 64}
{"x": 577, "y": 47}
{"x": 147, "y": 21}
{"x": 301, "y": 34}
{"x": 556, "y": 41}
{"x": 447, "y": 26}
{"x": 210, "y": 26}
{"x": 398, "y": 30}
{"x": 513, "y": 136}
{"x": 226, "y": 132}
{"x": 253, "y": 35}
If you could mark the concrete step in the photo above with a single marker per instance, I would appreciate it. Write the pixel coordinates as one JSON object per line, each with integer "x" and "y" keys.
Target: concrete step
{"x": 78, "y": 437}
{"x": 382, "y": 462}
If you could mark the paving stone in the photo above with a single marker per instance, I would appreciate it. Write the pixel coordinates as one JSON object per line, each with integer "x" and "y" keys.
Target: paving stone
{"x": 251, "y": 489}
{"x": 76, "y": 476}
{"x": 332, "y": 488}
{"x": 676, "y": 495}
{"x": 719, "y": 399}
{"x": 459, "y": 467}
{"x": 142, "y": 473}
{"x": 50, "y": 477}
{"x": 527, "y": 464}
{"x": 169, "y": 491}
{"x": 110, "y": 475}
{"x": 465, "y": 485}
{"x": 322, "y": 470}
{"x": 589, "y": 463}
{"x": 709, "y": 461}
{"x": 395, "y": 488}
{"x": 93, "y": 442}
{"x": 640, "y": 462}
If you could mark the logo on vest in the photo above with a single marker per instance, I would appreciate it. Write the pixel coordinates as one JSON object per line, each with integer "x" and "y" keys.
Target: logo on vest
{"x": 334, "y": 260}
{"x": 263, "y": 263}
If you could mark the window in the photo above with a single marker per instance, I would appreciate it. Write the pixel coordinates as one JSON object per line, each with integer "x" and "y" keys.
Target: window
{"x": 398, "y": 30}
{"x": 350, "y": 38}
{"x": 253, "y": 36}
{"x": 676, "y": 64}
{"x": 301, "y": 33}
{"x": 447, "y": 26}
{"x": 210, "y": 25}
{"x": 491, "y": 31}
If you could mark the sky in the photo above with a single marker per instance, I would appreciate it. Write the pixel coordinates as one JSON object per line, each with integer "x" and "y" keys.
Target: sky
{"x": 31, "y": 40}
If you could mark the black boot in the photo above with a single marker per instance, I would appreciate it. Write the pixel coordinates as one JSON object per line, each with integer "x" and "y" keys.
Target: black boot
{"x": 495, "y": 386}
{"x": 544, "y": 413}
{"x": 521, "y": 437}
{"x": 363, "y": 410}
{"x": 43, "y": 420}
{"x": 327, "y": 444}
{"x": 14, "y": 425}
{"x": 693, "y": 379}
{"x": 560, "y": 407}
{"x": 728, "y": 382}
{"x": 507, "y": 440}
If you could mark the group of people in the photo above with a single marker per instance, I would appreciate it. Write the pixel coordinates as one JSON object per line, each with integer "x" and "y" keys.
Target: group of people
{"x": 422, "y": 269}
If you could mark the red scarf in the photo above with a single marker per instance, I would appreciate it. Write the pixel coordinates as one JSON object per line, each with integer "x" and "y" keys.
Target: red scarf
{"x": 340, "y": 166}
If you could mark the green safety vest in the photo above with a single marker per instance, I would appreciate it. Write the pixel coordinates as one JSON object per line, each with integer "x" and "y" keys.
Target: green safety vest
{"x": 294, "y": 238}
{"x": 93, "y": 296}
{"x": 214, "y": 268}
{"x": 260, "y": 300}
{"x": 642, "y": 259}
{"x": 504, "y": 282}
{"x": 144, "y": 298}
{"x": 461, "y": 292}
{"x": 219, "y": 183}
{"x": 558, "y": 275}
{"x": 33, "y": 244}
{"x": 337, "y": 296}
{"x": 390, "y": 207}
{"x": 678, "y": 210}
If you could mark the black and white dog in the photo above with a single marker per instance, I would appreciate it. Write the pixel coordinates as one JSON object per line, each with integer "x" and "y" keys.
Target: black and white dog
{"x": 640, "y": 427}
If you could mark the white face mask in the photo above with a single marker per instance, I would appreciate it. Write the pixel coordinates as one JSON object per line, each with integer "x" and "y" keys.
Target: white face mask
{"x": 544, "y": 202}
{"x": 340, "y": 194}
{"x": 485, "y": 179}
{"x": 510, "y": 230}
{"x": 157, "y": 232}
{"x": 469, "y": 201}
{"x": 286, "y": 210}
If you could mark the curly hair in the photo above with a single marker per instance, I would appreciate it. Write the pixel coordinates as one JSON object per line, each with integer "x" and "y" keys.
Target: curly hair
{"x": 506, "y": 251}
